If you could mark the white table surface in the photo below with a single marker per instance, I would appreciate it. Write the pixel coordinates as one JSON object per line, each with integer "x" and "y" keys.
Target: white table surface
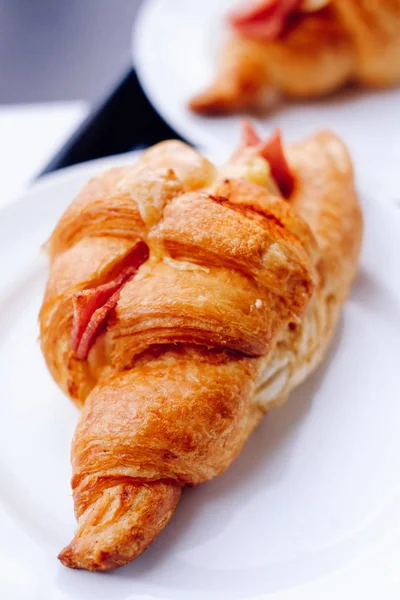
{"x": 29, "y": 136}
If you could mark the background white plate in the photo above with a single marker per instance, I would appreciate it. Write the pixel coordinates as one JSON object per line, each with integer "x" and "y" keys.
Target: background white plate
{"x": 175, "y": 44}
{"x": 309, "y": 511}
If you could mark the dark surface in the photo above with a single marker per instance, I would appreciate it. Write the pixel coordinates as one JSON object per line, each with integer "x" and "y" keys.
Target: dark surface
{"x": 63, "y": 49}
{"x": 124, "y": 121}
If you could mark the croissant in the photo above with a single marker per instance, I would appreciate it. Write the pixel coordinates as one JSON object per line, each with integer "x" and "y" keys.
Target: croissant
{"x": 183, "y": 302}
{"x": 303, "y": 49}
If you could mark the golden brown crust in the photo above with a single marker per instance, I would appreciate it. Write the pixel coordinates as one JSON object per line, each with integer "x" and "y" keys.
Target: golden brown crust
{"x": 325, "y": 197}
{"x": 219, "y": 324}
{"x": 374, "y": 26}
{"x": 336, "y": 224}
{"x": 317, "y": 53}
{"x": 314, "y": 57}
{"x": 93, "y": 208}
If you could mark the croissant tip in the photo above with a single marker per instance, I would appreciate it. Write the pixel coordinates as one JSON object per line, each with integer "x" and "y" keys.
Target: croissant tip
{"x": 202, "y": 105}
{"x": 67, "y": 557}
{"x": 72, "y": 559}
{"x": 103, "y": 546}
{"x": 214, "y": 101}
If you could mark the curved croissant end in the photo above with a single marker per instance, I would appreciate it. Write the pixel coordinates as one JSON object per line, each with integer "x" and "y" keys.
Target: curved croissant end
{"x": 242, "y": 82}
{"x": 120, "y": 525}
{"x": 133, "y": 450}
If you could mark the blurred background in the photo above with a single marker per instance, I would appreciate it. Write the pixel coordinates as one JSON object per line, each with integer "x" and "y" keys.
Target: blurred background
{"x": 62, "y": 49}
{"x": 57, "y": 59}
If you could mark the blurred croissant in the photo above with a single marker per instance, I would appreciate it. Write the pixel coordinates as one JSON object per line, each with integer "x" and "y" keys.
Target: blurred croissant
{"x": 183, "y": 302}
{"x": 303, "y": 48}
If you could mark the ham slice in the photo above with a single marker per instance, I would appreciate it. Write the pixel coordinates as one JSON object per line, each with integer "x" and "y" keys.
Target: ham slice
{"x": 249, "y": 136}
{"x": 272, "y": 151}
{"x": 93, "y": 306}
{"x": 262, "y": 20}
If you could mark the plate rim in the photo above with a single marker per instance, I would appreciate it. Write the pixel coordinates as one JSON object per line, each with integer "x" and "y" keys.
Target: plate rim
{"x": 146, "y": 12}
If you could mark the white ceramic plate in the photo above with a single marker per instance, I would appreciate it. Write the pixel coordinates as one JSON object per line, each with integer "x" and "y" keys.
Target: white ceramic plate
{"x": 175, "y": 44}
{"x": 309, "y": 511}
